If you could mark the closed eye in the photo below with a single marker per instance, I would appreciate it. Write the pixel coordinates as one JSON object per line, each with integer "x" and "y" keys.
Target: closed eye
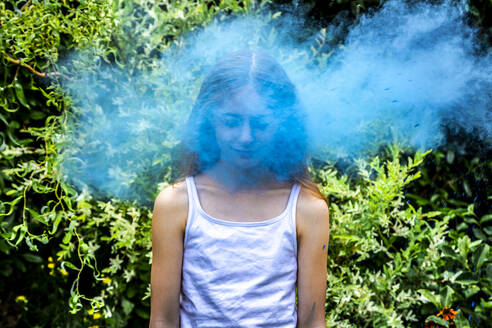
{"x": 231, "y": 122}
{"x": 259, "y": 124}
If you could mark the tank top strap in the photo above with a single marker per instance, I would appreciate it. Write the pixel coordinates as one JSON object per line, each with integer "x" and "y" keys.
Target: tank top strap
{"x": 294, "y": 195}
{"x": 291, "y": 213}
{"x": 192, "y": 204}
{"x": 192, "y": 192}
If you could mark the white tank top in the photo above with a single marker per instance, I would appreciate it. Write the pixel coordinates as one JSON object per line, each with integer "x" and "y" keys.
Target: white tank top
{"x": 239, "y": 274}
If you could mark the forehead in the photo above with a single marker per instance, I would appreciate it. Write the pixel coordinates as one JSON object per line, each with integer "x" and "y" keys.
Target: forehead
{"x": 245, "y": 102}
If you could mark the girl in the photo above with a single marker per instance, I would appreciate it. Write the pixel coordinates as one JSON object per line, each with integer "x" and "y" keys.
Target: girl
{"x": 244, "y": 225}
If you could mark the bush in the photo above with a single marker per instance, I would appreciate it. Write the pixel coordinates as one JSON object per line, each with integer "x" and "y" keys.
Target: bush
{"x": 392, "y": 264}
{"x": 69, "y": 258}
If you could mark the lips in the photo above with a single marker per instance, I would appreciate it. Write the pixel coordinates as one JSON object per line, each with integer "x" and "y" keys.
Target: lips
{"x": 243, "y": 152}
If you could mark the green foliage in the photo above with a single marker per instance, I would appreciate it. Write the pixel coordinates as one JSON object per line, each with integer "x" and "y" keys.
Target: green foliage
{"x": 34, "y": 204}
{"x": 398, "y": 251}
{"x": 456, "y": 181}
{"x": 391, "y": 264}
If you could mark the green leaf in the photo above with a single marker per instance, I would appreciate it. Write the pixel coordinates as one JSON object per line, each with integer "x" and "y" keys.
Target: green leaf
{"x": 37, "y": 115}
{"x": 446, "y": 296}
{"x": 486, "y": 218}
{"x": 460, "y": 320}
{"x": 70, "y": 265}
{"x": 480, "y": 256}
{"x": 32, "y": 258}
{"x": 436, "y": 320}
{"x": 467, "y": 188}
{"x": 488, "y": 230}
{"x": 462, "y": 226}
{"x": 470, "y": 220}
{"x": 450, "y": 252}
{"x": 471, "y": 290}
{"x": 4, "y": 247}
{"x": 67, "y": 238}
{"x": 57, "y": 221}
{"x": 277, "y": 15}
{"x": 142, "y": 313}
{"x": 12, "y": 205}
{"x": 38, "y": 217}
{"x": 466, "y": 279}
{"x": 32, "y": 247}
{"x": 432, "y": 214}
{"x": 450, "y": 157}
{"x": 127, "y": 306}
{"x": 11, "y": 192}
{"x": 131, "y": 291}
{"x": 19, "y": 92}
{"x": 479, "y": 234}
{"x": 434, "y": 299}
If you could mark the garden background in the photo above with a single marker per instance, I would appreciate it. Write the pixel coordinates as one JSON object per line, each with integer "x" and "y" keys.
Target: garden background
{"x": 410, "y": 231}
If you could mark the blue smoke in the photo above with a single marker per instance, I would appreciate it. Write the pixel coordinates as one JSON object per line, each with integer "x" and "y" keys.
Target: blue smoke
{"x": 406, "y": 70}
{"x": 403, "y": 73}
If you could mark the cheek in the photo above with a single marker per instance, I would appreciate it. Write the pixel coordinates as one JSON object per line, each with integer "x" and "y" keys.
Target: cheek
{"x": 224, "y": 136}
{"x": 268, "y": 135}
{"x": 266, "y": 139}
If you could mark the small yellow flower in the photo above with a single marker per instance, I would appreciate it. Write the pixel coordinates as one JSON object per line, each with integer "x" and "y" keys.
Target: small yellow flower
{"x": 51, "y": 265}
{"x": 102, "y": 275}
{"x": 106, "y": 280}
{"x": 96, "y": 326}
{"x": 63, "y": 272}
{"x": 90, "y": 312}
{"x": 96, "y": 316}
{"x": 21, "y": 298}
{"x": 50, "y": 259}
{"x": 52, "y": 272}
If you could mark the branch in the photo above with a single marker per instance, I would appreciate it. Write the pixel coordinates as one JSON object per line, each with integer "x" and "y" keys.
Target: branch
{"x": 30, "y": 68}
{"x": 25, "y": 5}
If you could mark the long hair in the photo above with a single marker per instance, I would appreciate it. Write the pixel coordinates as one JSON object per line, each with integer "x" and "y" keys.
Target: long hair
{"x": 198, "y": 149}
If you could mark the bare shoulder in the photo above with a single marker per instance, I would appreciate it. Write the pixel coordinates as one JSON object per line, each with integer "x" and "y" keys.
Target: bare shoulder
{"x": 168, "y": 225}
{"x": 171, "y": 205}
{"x": 311, "y": 212}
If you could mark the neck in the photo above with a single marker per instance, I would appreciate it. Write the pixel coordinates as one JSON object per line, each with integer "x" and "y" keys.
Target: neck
{"x": 236, "y": 180}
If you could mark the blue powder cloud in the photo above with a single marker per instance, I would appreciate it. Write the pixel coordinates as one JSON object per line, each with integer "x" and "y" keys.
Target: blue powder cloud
{"x": 403, "y": 72}
{"x": 411, "y": 69}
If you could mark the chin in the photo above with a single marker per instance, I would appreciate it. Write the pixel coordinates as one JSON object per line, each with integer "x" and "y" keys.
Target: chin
{"x": 247, "y": 163}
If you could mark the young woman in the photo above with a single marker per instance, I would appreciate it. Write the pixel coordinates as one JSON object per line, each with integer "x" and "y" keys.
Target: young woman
{"x": 244, "y": 225}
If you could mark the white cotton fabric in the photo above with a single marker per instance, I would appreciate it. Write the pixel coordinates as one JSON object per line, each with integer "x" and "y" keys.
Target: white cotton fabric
{"x": 239, "y": 274}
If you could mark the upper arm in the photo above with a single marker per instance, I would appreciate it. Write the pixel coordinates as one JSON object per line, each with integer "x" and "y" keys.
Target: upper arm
{"x": 168, "y": 224}
{"x": 313, "y": 236}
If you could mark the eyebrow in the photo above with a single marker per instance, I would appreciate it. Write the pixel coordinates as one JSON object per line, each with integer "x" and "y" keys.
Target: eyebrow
{"x": 254, "y": 116}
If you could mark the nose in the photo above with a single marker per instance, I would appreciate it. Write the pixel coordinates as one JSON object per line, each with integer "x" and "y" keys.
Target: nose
{"x": 246, "y": 135}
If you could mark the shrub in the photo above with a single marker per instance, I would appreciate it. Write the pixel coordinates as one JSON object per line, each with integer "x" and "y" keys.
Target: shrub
{"x": 394, "y": 258}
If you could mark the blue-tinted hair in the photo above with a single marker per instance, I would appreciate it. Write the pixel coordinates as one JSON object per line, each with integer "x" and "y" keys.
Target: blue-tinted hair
{"x": 199, "y": 149}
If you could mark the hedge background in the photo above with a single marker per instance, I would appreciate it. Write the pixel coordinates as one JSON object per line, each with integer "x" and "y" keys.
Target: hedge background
{"x": 411, "y": 232}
